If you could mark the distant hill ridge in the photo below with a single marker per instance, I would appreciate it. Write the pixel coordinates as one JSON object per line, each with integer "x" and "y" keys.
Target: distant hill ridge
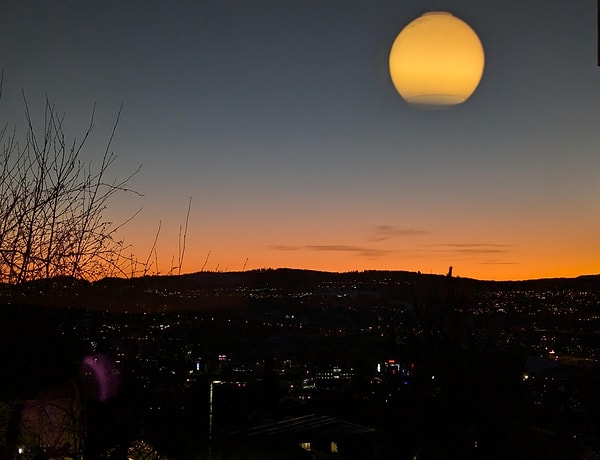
{"x": 124, "y": 293}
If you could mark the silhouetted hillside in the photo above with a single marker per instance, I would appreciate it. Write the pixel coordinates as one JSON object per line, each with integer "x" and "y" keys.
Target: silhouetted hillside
{"x": 207, "y": 290}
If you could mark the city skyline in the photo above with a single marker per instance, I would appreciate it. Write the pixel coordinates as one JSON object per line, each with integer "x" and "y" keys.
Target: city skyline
{"x": 279, "y": 120}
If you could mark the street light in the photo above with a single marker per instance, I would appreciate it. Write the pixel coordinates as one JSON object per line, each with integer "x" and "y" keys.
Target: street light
{"x": 210, "y": 408}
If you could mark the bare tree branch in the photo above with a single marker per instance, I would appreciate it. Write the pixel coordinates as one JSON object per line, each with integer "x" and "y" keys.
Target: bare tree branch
{"x": 53, "y": 206}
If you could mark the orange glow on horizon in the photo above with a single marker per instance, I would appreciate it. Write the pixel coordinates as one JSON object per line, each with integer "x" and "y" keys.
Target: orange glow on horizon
{"x": 347, "y": 258}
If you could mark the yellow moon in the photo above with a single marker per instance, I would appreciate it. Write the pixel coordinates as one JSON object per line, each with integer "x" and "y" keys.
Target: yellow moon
{"x": 436, "y": 60}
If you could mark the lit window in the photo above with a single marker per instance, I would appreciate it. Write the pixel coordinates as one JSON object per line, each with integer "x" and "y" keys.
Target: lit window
{"x": 305, "y": 446}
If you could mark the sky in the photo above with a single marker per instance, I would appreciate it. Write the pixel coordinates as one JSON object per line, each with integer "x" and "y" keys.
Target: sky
{"x": 279, "y": 120}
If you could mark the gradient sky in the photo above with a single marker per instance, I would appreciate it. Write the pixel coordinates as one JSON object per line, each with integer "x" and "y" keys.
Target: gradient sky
{"x": 279, "y": 119}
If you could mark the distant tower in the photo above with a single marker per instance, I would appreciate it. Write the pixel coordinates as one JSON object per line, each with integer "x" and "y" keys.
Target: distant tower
{"x": 449, "y": 275}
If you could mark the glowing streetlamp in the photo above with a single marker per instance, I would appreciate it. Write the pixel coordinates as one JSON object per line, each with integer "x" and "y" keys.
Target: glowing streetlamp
{"x": 436, "y": 60}
{"x": 210, "y": 408}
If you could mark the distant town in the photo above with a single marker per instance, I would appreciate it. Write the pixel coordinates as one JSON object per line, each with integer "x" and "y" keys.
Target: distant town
{"x": 300, "y": 364}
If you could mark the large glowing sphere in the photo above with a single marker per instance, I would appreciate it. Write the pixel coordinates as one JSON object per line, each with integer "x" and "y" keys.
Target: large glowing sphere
{"x": 436, "y": 60}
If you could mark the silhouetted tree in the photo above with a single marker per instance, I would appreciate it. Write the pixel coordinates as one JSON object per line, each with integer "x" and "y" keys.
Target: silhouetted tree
{"x": 52, "y": 205}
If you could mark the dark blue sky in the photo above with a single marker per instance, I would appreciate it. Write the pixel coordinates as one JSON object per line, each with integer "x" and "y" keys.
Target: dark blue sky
{"x": 279, "y": 119}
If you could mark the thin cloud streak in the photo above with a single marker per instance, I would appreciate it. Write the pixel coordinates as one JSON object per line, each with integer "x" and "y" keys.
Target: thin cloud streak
{"x": 498, "y": 262}
{"x": 471, "y": 245}
{"x": 361, "y": 251}
{"x": 284, "y": 247}
{"x": 386, "y": 232}
{"x": 477, "y": 251}
{"x": 469, "y": 248}
{"x": 334, "y": 247}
